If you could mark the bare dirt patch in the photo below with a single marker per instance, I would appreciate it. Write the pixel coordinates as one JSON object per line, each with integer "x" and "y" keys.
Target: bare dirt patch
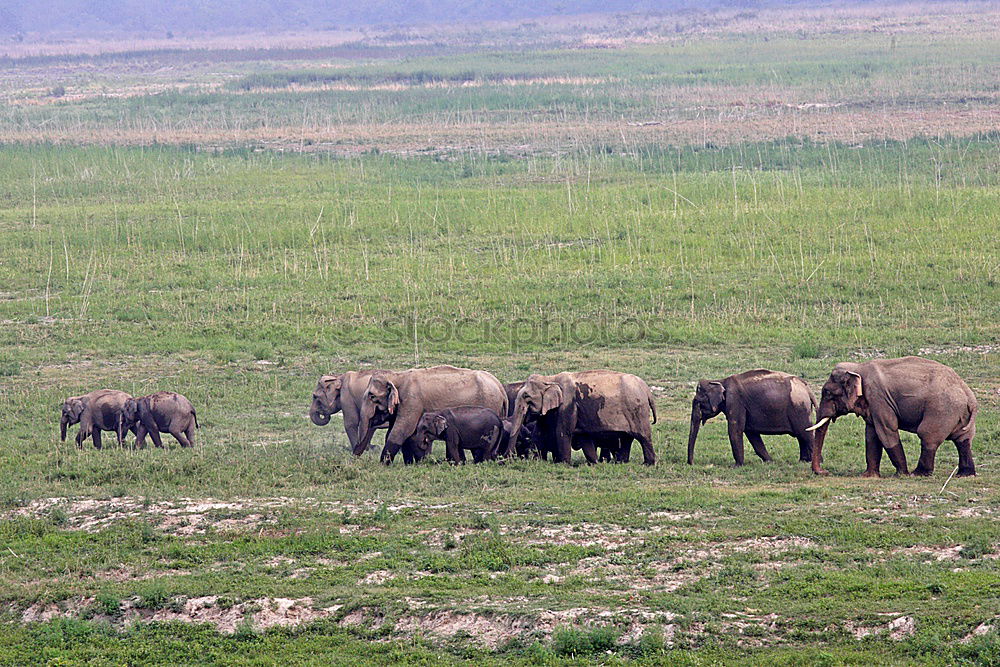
{"x": 196, "y": 516}
{"x": 260, "y": 614}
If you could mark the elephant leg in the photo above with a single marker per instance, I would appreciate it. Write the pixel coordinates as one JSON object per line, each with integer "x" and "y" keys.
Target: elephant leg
{"x": 80, "y": 437}
{"x": 478, "y": 455}
{"x": 97, "y": 438}
{"x": 154, "y": 435}
{"x": 805, "y": 447}
{"x": 736, "y": 442}
{"x": 928, "y": 452}
{"x": 888, "y": 435}
{"x": 648, "y": 453}
{"x": 140, "y": 436}
{"x": 898, "y": 457}
{"x": 624, "y": 449}
{"x": 873, "y": 452}
{"x": 190, "y": 435}
{"x": 605, "y": 454}
{"x": 589, "y": 449}
{"x": 758, "y": 446}
{"x": 966, "y": 466}
{"x": 181, "y": 438}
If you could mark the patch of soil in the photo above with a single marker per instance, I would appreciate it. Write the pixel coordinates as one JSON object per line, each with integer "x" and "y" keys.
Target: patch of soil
{"x": 261, "y": 614}
{"x": 486, "y": 630}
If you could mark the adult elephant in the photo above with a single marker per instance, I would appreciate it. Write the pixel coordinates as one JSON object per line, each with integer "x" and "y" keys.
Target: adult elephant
{"x": 101, "y": 410}
{"x": 914, "y": 394}
{"x": 596, "y": 404}
{"x": 402, "y": 398}
{"x": 758, "y": 402}
{"x": 530, "y": 443}
{"x": 342, "y": 393}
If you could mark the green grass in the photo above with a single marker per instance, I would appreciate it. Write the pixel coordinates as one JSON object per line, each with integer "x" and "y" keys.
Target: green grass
{"x": 237, "y": 276}
{"x": 192, "y": 268}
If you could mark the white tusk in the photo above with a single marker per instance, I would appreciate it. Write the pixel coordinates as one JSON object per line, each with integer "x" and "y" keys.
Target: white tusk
{"x": 818, "y": 424}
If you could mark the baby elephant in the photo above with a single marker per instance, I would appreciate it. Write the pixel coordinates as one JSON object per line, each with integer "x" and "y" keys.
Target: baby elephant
{"x": 101, "y": 410}
{"x": 162, "y": 411}
{"x": 756, "y": 403}
{"x": 469, "y": 427}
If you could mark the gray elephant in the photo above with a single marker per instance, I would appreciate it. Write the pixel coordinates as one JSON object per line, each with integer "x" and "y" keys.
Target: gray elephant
{"x": 911, "y": 393}
{"x": 162, "y": 411}
{"x": 101, "y": 410}
{"x": 469, "y": 427}
{"x": 595, "y": 404}
{"x": 401, "y": 399}
{"x": 758, "y": 402}
{"x": 342, "y": 393}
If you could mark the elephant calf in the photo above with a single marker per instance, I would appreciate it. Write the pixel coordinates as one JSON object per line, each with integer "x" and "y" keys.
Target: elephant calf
{"x": 162, "y": 411}
{"x": 756, "y": 403}
{"x": 101, "y": 410}
{"x": 467, "y": 427}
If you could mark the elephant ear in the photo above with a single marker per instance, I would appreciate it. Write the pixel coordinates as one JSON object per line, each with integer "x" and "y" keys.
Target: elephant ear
{"x": 440, "y": 424}
{"x": 331, "y": 383}
{"x": 852, "y": 387}
{"x": 76, "y": 408}
{"x": 393, "y": 401}
{"x": 552, "y": 398}
{"x": 716, "y": 395}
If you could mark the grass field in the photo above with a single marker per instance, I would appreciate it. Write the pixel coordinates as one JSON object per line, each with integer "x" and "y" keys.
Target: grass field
{"x": 263, "y": 222}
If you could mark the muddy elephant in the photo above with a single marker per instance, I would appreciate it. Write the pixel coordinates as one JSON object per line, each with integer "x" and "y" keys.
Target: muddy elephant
{"x": 913, "y": 394}
{"x": 467, "y": 427}
{"x": 101, "y": 410}
{"x": 588, "y": 406}
{"x": 162, "y": 411}
{"x": 400, "y": 399}
{"x": 756, "y": 403}
{"x": 342, "y": 393}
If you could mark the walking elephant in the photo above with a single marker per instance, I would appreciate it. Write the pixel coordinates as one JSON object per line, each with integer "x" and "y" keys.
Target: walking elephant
{"x": 342, "y": 393}
{"x": 101, "y": 410}
{"x": 592, "y": 404}
{"x": 911, "y": 393}
{"x": 400, "y": 399}
{"x": 758, "y": 402}
{"x": 162, "y": 411}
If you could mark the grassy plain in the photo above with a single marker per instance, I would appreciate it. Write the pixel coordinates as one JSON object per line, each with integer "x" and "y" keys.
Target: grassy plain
{"x": 179, "y": 241}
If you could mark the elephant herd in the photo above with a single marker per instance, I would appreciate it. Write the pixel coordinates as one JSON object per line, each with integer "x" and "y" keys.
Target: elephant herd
{"x": 603, "y": 412}
{"x": 600, "y": 412}
{"x": 116, "y": 411}
{"x": 471, "y": 410}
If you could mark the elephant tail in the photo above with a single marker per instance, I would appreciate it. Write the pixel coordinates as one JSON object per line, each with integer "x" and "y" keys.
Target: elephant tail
{"x": 652, "y": 404}
{"x": 971, "y": 409}
{"x": 195, "y": 416}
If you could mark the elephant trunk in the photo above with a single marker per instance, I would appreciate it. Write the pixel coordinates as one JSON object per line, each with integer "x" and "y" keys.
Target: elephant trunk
{"x": 825, "y": 415}
{"x": 693, "y": 435}
{"x": 366, "y": 428}
{"x": 517, "y": 421}
{"x": 317, "y": 416}
{"x": 63, "y": 423}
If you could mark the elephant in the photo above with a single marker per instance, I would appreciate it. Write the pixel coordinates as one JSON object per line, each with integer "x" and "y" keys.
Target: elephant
{"x": 402, "y": 398}
{"x": 469, "y": 427}
{"x": 101, "y": 410}
{"x": 758, "y": 402}
{"x": 587, "y": 405}
{"x": 162, "y": 411}
{"x": 342, "y": 393}
{"x": 910, "y": 393}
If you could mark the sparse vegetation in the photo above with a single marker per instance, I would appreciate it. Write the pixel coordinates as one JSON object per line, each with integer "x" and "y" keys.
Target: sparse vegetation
{"x": 477, "y": 211}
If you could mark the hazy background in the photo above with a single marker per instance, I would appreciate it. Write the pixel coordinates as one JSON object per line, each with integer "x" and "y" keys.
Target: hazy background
{"x": 181, "y": 17}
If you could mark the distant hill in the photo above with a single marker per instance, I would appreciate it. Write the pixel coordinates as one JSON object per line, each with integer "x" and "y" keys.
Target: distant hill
{"x": 186, "y": 16}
